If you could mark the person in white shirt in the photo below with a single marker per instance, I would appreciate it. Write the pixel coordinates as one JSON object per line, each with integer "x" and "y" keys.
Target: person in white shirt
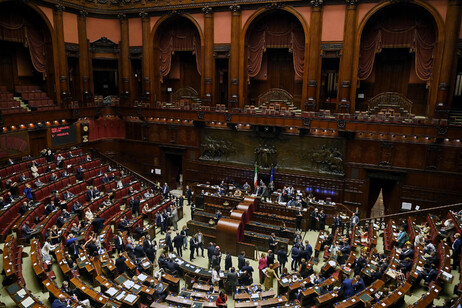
{"x": 46, "y": 251}
{"x": 215, "y": 276}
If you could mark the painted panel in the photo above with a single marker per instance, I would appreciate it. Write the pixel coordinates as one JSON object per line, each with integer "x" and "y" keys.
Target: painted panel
{"x": 333, "y": 21}
{"x": 97, "y": 28}
{"x": 222, "y": 27}
{"x": 71, "y": 32}
{"x": 135, "y": 32}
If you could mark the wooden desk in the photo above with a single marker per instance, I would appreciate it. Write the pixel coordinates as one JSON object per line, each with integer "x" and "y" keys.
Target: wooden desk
{"x": 23, "y": 297}
{"x": 356, "y": 300}
{"x": 426, "y": 300}
{"x": 278, "y": 301}
{"x": 204, "y": 287}
{"x": 90, "y": 293}
{"x": 395, "y": 297}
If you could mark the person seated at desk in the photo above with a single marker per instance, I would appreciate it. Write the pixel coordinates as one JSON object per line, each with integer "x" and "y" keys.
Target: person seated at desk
{"x": 405, "y": 265}
{"x": 237, "y": 193}
{"x": 359, "y": 264}
{"x": 432, "y": 259}
{"x": 407, "y": 252}
{"x": 22, "y": 178}
{"x": 24, "y": 208}
{"x": 38, "y": 183}
{"x": 92, "y": 194}
{"x": 64, "y": 174}
{"x": 345, "y": 248}
{"x": 75, "y": 229}
{"x": 162, "y": 261}
{"x": 148, "y": 194}
{"x": 429, "y": 247}
{"x": 46, "y": 250}
{"x": 402, "y": 237}
{"x": 26, "y": 231}
{"x": 221, "y": 299}
{"x": 61, "y": 220}
{"x": 448, "y": 228}
{"x": 246, "y": 186}
{"x": 89, "y": 215}
{"x": 9, "y": 198}
{"x": 50, "y": 208}
{"x": 172, "y": 267}
{"x": 52, "y": 178}
{"x": 67, "y": 195}
{"x": 429, "y": 274}
{"x": 76, "y": 207}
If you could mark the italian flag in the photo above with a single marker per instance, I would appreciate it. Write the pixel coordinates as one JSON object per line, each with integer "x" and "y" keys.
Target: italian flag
{"x": 255, "y": 177}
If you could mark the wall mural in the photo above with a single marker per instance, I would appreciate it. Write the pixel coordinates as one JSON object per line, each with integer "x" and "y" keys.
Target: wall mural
{"x": 301, "y": 153}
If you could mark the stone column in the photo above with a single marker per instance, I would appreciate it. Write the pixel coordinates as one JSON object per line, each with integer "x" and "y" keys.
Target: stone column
{"x": 346, "y": 64}
{"x": 62, "y": 59}
{"x": 208, "y": 57}
{"x": 314, "y": 60}
{"x": 84, "y": 58}
{"x": 233, "y": 100}
{"x": 124, "y": 60}
{"x": 448, "y": 67}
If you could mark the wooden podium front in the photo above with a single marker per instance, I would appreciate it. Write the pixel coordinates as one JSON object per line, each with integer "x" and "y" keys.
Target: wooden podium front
{"x": 229, "y": 233}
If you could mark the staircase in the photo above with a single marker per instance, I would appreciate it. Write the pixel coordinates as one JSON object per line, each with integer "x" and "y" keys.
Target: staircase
{"x": 23, "y": 105}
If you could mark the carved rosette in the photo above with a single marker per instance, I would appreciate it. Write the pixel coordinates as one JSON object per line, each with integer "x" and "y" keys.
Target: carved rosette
{"x": 235, "y": 8}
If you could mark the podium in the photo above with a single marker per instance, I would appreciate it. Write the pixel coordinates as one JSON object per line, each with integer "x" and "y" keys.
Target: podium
{"x": 229, "y": 233}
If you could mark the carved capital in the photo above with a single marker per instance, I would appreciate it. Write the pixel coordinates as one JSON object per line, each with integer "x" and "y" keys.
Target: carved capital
{"x": 122, "y": 16}
{"x": 60, "y": 8}
{"x": 235, "y": 8}
{"x": 351, "y": 2}
{"x": 275, "y": 5}
{"x": 83, "y": 13}
{"x": 144, "y": 16}
{"x": 316, "y": 3}
{"x": 207, "y": 10}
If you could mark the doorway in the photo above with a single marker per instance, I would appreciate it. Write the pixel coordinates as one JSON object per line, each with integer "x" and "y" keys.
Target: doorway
{"x": 174, "y": 170}
{"x": 105, "y": 76}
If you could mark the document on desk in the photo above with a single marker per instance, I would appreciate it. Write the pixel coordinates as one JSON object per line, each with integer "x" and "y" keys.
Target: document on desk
{"x": 111, "y": 291}
{"x": 128, "y": 284}
{"x": 130, "y": 298}
{"x": 27, "y": 302}
{"x": 142, "y": 277}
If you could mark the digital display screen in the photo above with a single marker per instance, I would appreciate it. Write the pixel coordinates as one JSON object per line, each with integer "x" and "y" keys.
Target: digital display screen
{"x": 63, "y": 135}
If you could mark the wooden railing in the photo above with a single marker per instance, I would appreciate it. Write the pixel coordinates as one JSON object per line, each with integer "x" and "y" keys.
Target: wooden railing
{"x": 420, "y": 215}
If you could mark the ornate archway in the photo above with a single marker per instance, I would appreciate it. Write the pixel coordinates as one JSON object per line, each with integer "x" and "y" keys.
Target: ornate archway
{"x": 398, "y": 50}
{"x": 178, "y": 61}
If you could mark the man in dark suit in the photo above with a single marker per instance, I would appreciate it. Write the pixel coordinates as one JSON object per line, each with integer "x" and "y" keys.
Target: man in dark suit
{"x": 136, "y": 207}
{"x": 273, "y": 244}
{"x": 241, "y": 261}
{"x": 265, "y": 193}
{"x": 188, "y": 194}
{"x": 270, "y": 257}
{"x": 298, "y": 220}
{"x": 139, "y": 251}
{"x": 168, "y": 241}
{"x": 105, "y": 179}
{"x": 210, "y": 252}
{"x": 120, "y": 264}
{"x": 282, "y": 258}
{"x": 192, "y": 247}
{"x": 313, "y": 220}
{"x": 346, "y": 289}
{"x": 178, "y": 244}
{"x": 119, "y": 242}
{"x": 165, "y": 190}
{"x": 79, "y": 173}
{"x": 322, "y": 220}
{"x": 456, "y": 251}
{"x": 26, "y": 231}
{"x": 22, "y": 178}
{"x": 359, "y": 284}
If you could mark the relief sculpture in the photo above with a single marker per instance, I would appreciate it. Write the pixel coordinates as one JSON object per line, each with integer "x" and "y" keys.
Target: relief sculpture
{"x": 265, "y": 156}
{"x": 213, "y": 149}
{"x": 328, "y": 160}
